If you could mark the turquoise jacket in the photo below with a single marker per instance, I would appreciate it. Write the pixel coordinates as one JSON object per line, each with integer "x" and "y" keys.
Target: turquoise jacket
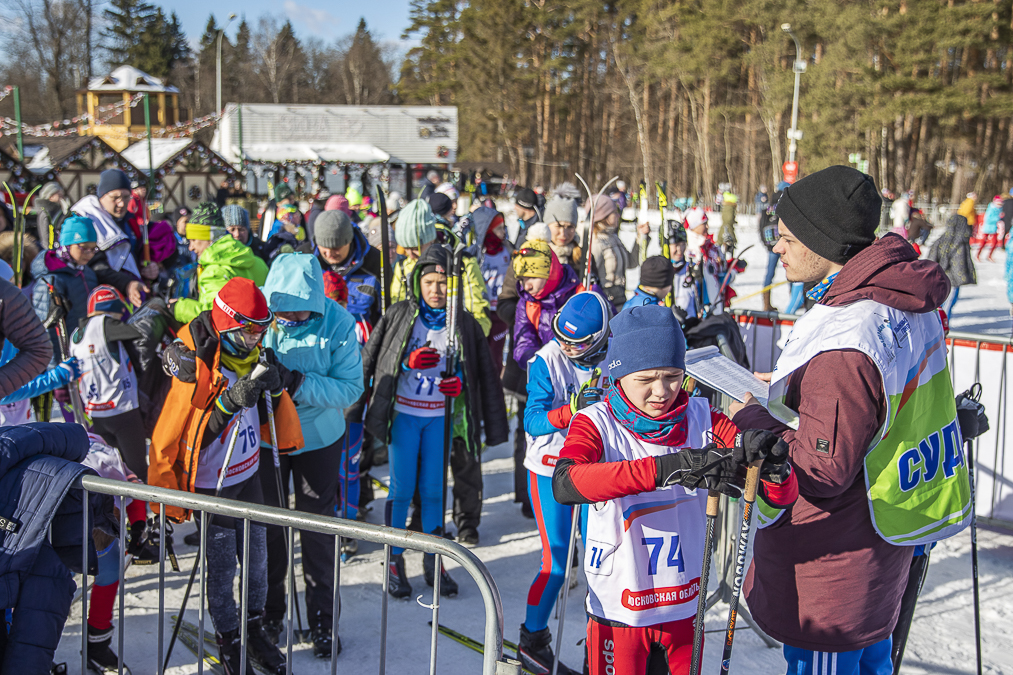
{"x": 324, "y": 349}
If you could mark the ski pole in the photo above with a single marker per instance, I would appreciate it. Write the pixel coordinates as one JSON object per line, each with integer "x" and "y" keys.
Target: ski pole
{"x": 748, "y": 498}
{"x": 713, "y": 500}
{"x": 381, "y": 201}
{"x": 590, "y": 222}
{"x": 974, "y": 553}
{"x": 257, "y": 372}
{"x": 724, "y": 284}
{"x": 574, "y": 527}
{"x": 282, "y": 502}
{"x": 57, "y": 317}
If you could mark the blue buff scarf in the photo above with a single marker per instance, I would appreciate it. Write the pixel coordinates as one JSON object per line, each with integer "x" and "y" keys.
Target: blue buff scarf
{"x": 433, "y": 318}
{"x": 817, "y": 292}
{"x": 669, "y": 429}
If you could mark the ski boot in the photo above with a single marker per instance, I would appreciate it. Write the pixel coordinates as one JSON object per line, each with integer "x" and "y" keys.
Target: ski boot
{"x": 273, "y": 628}
{"x": 448, "y": 587}
{"x": 321, "y": 638}
{"x": 397, "y": 584}
{"x": 349, "y": 547}
{"x": 230, "y": 653}
{"x": 534, "y": 651}
{"x": 101, "y": 657}
{"x": 260, "y": 648}
{"x": 467, "y": 534}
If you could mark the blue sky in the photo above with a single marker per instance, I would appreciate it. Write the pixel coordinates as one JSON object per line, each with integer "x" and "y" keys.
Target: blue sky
{"x": 323, "y": 19}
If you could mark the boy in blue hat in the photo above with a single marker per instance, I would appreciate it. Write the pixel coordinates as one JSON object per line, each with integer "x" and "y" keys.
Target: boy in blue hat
{"x": 641, "y": 456}
{"x": 558, "y": 373}
{"x": 64, "y": 272}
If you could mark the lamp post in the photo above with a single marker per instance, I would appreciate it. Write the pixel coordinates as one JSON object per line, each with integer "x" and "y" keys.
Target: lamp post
{"x": 218, "y": 80}
{"x": 794, "y": 135}
{"x": 218, "y": 69}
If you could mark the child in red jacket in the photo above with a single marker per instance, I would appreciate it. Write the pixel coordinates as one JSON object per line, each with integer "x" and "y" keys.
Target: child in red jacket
{"x": 640, "y": 457}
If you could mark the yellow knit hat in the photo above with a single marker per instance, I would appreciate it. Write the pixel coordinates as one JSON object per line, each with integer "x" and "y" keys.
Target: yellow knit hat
{"x": 533, "y": 260}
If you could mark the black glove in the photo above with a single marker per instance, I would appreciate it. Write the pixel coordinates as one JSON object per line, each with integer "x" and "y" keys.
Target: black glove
{"x": 708, "y": 468}
{"x": 588, "y": 394}
{"x": 138, "y": 537}
{"x": 753, "y": 444}
{"x": 271, "y": 379}
{"x": 775, "y": 468}
{"x": 970, "y": 414}
{"x": 291, "y": 380}
{"x": 758, "y": 444}
{"x": 180, "y": 361}
{"x": 244, "y": 393}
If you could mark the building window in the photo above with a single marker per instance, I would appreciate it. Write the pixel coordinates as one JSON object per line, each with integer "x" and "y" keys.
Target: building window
{"x": 105, "y": 100}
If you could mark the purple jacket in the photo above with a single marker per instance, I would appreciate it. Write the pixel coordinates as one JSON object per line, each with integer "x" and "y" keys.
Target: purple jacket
{"x": 529, "y": 338}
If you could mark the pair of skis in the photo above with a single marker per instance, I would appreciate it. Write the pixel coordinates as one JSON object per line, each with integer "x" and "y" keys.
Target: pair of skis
{"x": 18, "y": 227}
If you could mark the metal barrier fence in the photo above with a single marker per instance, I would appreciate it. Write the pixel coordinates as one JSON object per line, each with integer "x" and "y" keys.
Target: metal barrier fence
{"x": 493, "y": 661}
{"x": 973, "y": 357}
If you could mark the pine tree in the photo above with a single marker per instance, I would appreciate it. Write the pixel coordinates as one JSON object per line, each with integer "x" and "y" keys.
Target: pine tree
{"x": 128, "y": 21}
{"x": 363, "y": 74}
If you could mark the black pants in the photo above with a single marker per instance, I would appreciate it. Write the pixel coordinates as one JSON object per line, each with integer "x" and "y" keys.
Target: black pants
{"x": 520, "y": 448}
{"x": 466, "y": 469}
{"x": 315, "y": 476}
{"x": 125, "y": 432}
{"x": 915, "y": 581}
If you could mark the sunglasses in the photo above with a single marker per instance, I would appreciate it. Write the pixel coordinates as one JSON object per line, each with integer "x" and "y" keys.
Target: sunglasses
{"x": 252, "y": 327}
{"x": 577, "y": 345}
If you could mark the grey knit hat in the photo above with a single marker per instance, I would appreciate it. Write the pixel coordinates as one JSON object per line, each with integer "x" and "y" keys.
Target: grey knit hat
{"x": 235, "y": 216}
{"x": 49, "y": 189}
{"x": 560, "y": 210}
{"x": 332, "y": 229}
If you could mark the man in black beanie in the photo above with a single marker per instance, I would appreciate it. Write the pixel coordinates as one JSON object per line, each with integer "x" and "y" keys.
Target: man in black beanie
{"x": 526, "y": 208}
{"x": 829, "y": 573}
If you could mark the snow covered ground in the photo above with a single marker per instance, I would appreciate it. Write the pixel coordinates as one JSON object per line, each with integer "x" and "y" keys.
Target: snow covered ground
{"x": 941, "y": 638}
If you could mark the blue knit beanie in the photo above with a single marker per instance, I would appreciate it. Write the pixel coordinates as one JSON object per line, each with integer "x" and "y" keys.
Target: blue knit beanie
{"x": 644, "y": 338}
{"x": 77, "y": 229}
{"x": 112, "y": 179}
{"x": 416, "y": 225}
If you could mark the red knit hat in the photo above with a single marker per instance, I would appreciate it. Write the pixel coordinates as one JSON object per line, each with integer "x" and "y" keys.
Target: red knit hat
{"x": 239, "y": 303}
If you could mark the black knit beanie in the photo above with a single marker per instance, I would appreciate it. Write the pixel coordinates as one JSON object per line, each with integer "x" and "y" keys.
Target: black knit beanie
{"x": 656, "y": 272}
{"x": 833, "y": 212}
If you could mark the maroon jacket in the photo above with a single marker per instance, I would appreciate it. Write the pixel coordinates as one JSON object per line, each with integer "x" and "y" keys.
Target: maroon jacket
{"x": 821, "y": 578}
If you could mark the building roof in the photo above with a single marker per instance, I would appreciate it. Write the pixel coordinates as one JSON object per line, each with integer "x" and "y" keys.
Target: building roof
{"x": 339, "y": 133}
{"x": 347, "y": 153}
{"x": 128, "y": 78}
{"x": 162, "y": 150}
{"x": 44, "y": 153}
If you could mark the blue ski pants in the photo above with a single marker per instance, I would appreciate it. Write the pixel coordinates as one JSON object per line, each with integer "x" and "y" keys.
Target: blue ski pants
{"x": 413, "y": 438}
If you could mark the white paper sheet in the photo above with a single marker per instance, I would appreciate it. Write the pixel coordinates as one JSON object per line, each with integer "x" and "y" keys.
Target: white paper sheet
{"x": 710, "y": 367}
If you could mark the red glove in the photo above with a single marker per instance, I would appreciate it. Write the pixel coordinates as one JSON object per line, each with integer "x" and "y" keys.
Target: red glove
{"x": 451, "y": 386}
{"x": 560, "y": 417}
{"x": 423, "y": 357}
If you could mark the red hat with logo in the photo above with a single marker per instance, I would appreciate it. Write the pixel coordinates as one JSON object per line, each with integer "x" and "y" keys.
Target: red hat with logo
{"x": 105, "y": 298}
{"x": 240, "y": 304}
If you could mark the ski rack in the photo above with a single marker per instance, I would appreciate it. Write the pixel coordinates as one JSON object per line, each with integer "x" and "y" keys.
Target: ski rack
{"x": 493, "y": 661}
